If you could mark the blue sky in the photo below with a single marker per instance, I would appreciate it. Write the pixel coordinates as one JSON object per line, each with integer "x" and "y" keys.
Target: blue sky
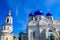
{"x": 21, "y": 8}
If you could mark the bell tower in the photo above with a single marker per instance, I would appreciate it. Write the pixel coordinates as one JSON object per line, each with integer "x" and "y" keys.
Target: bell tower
{"x": 8, "y": 19}
{"x": 7, "y": 28}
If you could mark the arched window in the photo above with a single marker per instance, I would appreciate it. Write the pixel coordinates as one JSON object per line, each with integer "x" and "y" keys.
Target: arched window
{"x": 50, "y": 17}
{"x": 7, "y": 28}
{"x": 10, "y": 20}
{"x": 40, "y": 18}
{"x": 59, "y": 32}
{"x": 50, "y": 31}
{"x": 7, "y": 20}
{"x": 33, "y": 34}
{"x": 31, "y": 18}
{"x": 4, "y": 28}
{"x": 7, "y": 38}
{"x": 35, "y": 19}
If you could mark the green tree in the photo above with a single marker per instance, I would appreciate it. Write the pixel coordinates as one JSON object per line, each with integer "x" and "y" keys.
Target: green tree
{"x": 20, "y": 35}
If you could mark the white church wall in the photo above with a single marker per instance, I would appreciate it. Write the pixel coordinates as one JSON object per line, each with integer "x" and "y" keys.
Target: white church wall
{"x": 31, "y": 30}
{"x": 6, "y": 37}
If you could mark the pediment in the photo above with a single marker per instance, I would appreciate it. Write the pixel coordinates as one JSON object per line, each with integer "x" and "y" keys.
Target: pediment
{"x": 32, "y": 23}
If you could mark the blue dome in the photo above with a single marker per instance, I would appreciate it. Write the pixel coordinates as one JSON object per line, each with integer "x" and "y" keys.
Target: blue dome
{"x": 38, "y": 13}
{"x": 48, "y": 14}
{"x": 31, "y": 14}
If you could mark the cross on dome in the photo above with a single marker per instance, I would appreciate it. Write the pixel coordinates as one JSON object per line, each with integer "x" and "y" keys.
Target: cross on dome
{"x": 48, "y": 14}
{"x": 9, "y": 12}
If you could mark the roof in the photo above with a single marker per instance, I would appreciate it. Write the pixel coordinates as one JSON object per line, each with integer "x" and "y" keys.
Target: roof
{"x": 31, "y": 14}
{"x": 38, "y": 12}
{"x": 48, "y": 14}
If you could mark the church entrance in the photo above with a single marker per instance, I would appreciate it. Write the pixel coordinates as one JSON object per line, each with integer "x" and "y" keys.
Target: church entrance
{"x": 51, "y": 37}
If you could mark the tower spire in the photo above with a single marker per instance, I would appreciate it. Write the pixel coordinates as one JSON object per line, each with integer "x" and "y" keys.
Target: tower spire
{"x": 9, "y": 12}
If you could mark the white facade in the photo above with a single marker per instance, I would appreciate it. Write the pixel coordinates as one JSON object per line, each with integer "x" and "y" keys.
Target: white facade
{"x": 41, "y": 27}
{"x": 7, "y": 28}
{"x": 6, "y": 32}
{"x": 16, "y": 38}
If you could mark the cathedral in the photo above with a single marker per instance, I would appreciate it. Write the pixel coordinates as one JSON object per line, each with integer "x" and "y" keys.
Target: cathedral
{"x": 6, "y": 33}
{"x": 42, "y": 27}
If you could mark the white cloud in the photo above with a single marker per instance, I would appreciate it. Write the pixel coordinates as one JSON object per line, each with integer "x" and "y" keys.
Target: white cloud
{"x": 27, "y": 10}
{"x": 17, "y": 12}
{"x": 23, "y": 24}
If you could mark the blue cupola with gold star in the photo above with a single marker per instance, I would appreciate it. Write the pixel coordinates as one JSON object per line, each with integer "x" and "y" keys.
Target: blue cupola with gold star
{"x": 31, "y": 15}
{"x": 38, "y": 13}
{"x": 49, "y": 16}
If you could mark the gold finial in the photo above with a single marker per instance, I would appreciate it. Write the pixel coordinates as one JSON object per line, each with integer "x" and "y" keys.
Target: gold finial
{"x": 9, "y": 12}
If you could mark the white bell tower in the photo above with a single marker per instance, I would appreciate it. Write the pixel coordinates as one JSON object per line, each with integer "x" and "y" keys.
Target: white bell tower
{"x": 7, "y": 28}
